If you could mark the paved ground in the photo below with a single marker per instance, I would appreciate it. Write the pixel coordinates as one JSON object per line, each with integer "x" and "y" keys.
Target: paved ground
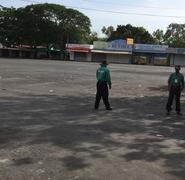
{"x": 50, "y": 131}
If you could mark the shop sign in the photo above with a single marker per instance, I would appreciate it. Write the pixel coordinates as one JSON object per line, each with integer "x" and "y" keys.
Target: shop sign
{"x": 180, "y": 50}
{"x": 130, "y": 41}
{"x": 117, "y": 45}
{"x": 79, "y": 47}
{"x": 87, "y": 46}
{"x": 150, "y": 47}
{"x": 176, "y": 50}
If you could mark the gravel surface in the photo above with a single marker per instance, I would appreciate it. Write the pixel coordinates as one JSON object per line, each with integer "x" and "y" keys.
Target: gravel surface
{"x": 50, "y": 131}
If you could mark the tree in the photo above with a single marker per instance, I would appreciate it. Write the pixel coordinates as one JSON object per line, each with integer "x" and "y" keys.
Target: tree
{"x": 175, "y": 35}
{"x": 44, "y": 24}
{"x": 7, "y": 25}
{"x": 93, "y": 37}
{"x": 158, "y": 36}
{"x": 107, "y": 31}
{"x": 139, "y": 34}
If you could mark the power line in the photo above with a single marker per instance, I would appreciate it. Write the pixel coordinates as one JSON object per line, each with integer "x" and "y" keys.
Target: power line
{"x": 121, "y": 4}
{"x": 116, "y": 12}
{"x": 128, "y": 13}
{"x": 127, "y": 5}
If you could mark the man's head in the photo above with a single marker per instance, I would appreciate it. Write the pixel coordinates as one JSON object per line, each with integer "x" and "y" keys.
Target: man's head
{"x": 177, "y": 68}
{"x": 104, "y": 63}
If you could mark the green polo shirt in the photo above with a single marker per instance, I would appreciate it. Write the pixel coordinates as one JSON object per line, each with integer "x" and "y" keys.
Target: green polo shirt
{"x": 103, "y": 74}
{"x": 177, "y": 80}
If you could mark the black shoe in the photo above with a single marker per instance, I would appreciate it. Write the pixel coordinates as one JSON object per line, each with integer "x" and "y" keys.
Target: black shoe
{"x": 109, "y": 108}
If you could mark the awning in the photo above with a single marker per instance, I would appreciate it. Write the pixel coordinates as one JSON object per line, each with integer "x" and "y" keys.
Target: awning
{"x": 78, "y": 49}
{"x": 111, "y": 52}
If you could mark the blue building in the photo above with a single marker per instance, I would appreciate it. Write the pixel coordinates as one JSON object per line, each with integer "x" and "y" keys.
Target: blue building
{"x": 150, "y": 54}
{"x": 116, "y": 51}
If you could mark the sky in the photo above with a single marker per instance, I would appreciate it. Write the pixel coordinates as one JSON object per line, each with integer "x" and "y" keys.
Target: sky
{"x": 151, "y": 14}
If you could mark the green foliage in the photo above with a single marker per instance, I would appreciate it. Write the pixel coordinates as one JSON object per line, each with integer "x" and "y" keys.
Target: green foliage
{"x": 92, "y": 37}
{"x": 43, "y": 24}
{"x": 139, "y": 34}
{"x": 175, "y": 35}
{"x": 107, "y": 31}
{"x": 158, "y": 36}
{"x": 7, "y": 25}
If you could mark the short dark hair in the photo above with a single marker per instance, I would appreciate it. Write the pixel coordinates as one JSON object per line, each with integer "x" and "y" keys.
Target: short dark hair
{"x": 104, "y": 63}
{"x": 178, "y": 67}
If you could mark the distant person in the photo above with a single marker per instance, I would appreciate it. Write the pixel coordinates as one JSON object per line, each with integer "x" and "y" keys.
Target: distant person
{"x": 103, "y": 81}
{"x": 175, "y": 86}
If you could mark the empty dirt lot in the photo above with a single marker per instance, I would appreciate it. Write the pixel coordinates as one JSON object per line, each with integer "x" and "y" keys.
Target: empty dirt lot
{"x": 50, "y": 131}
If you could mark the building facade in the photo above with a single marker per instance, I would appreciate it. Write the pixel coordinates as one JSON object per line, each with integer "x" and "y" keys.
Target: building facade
{"x": 176, "y": 56}
{"x": 32, "y": 53}
{"x": 79, "y": 52}
{"x": 150, "y": 54}
{"x": 116, "y": 51}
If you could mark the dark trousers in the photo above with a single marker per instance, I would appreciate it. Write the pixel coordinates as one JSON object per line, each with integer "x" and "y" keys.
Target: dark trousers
{"x": 102, "y": 92}
{"x": 174, "y": 91}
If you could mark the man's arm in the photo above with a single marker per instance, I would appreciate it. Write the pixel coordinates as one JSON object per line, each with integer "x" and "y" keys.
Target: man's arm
{"x": 182, "y": 82}
{"x": 108, "y": 78}
{"x": 97, "y": 74}
{"x": 169, "y": 81}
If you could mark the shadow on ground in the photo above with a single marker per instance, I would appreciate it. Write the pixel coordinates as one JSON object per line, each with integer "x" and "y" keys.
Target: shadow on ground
{"x": 72, "y": 123}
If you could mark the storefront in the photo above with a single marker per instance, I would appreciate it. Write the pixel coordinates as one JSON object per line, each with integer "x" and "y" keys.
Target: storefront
{"x": 79, "y": 52}
{"x": 16, "y": 53}
{"x": 150, "y": 54}
{"x": 116, "y": 51}
{"x": 176, "y": 56}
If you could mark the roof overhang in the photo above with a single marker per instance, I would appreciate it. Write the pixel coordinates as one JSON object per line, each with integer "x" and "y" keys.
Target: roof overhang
{"x": 79, "y": 49}
{"x": 111, "y": 52}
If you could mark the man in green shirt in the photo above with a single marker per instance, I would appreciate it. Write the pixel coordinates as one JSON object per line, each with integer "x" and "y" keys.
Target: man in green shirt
{"x": 175, "y": 85}
{"x": 103, "y": 79}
